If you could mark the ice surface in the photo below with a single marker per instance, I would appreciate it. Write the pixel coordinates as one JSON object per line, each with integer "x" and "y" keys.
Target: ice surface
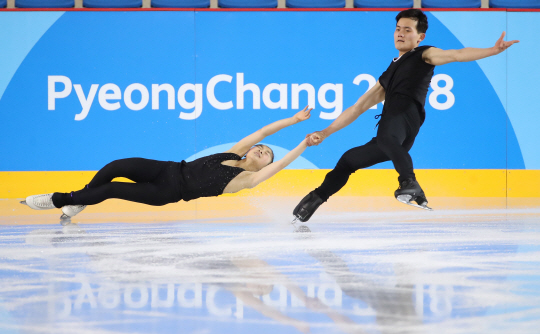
{"x": 391, "y": 272}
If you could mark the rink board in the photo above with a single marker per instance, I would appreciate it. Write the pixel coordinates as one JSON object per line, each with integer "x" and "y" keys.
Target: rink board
{"x": 371, "y": 182}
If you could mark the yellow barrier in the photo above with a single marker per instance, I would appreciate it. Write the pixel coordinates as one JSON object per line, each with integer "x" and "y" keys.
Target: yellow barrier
{"x": 367, "y": 182}
{"x": 367, "y": 190}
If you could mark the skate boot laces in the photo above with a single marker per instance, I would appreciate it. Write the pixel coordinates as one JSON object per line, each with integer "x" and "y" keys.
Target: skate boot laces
{"x": 43, "y": 201}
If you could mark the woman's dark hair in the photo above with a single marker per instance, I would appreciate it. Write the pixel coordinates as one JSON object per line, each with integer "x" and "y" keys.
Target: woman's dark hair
{"x": 415, "y": 15}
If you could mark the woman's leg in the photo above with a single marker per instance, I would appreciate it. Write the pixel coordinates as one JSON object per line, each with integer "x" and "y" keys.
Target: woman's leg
{"x": 148, "y": 189}
{"x": 135, "y": 169}
{"x": 141, "y": 192}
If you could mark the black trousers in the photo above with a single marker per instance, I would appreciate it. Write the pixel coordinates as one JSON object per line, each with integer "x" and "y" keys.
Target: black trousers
{"x": 399, "y": 125}
{"x": 155, "y": 184}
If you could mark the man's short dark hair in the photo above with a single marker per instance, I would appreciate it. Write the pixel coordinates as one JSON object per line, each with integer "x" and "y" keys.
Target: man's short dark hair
{"x": 415, "y": 15}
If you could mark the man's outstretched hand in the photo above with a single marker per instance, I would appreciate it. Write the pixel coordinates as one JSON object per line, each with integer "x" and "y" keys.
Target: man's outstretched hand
{"x": 315, "y": 138}
{"x": 502, "y": 45}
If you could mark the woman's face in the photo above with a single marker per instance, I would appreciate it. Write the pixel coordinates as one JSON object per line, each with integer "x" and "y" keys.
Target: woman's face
{"x": 260, "y": 155}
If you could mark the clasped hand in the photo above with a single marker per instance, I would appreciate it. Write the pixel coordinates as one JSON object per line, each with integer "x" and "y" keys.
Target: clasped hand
{"x": 315, "y": 138}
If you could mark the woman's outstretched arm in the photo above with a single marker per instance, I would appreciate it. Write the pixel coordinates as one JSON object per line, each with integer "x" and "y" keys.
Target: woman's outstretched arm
{"x": 245, "y": 144}
{"x": 272, "y": 169}
{"x": 251, "y": 179}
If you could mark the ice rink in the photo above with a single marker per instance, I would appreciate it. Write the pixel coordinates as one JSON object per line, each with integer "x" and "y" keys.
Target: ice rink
{"x": 83, "y": 90}
{"x": 386, "y": 271}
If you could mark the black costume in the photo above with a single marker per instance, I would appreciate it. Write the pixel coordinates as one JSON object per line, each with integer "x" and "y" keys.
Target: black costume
{"x": 406, "y": 82}
{"x": 157, "y": 182}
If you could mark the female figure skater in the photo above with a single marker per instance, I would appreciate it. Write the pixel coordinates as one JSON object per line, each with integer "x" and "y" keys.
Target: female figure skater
{"x": 162, "y": 182}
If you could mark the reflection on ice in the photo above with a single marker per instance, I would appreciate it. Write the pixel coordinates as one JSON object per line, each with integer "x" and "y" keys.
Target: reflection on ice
{"x": 460, "y": 275}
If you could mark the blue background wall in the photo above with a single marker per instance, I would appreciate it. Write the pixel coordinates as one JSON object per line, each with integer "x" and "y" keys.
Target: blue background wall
{"x": 491, "y": 124}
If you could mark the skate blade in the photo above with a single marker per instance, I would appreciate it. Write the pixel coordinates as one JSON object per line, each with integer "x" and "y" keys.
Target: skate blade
{"x": 295, "y": 220}
{"x": 23, "y": 202}
{"x": 406, "y": 199}
{"x": 66, "y": 221}
{"x": 64, "y": 217}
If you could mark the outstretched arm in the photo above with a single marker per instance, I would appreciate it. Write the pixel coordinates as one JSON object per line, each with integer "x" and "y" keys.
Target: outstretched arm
{"x": 270, "y": 273}
{"x": 272, "y": 169}
{"x": 245, "y": 144}
{"x": 435, "y": 56}
{"x": 370, "y": 98}
{"x": 269, "y": 311}
{"x": 251, "y": 179}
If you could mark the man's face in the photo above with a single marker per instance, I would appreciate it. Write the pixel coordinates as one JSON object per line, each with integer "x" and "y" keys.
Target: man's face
{"x": 406, "y": 37}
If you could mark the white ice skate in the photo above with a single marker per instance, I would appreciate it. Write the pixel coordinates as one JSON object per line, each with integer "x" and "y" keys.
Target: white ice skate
{"x": 71, "y": 210}
{"x": 407, "y": 200}
{"x": 39, "y": 202}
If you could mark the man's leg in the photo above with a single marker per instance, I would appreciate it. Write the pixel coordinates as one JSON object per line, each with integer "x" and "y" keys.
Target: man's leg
{"x": 356, "y": 158}
{"x": 395, "y": 137}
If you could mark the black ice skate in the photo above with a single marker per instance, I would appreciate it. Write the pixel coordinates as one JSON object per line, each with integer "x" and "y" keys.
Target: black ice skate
{"x": 307, "y": 207}
{"x": 409, "y": 191}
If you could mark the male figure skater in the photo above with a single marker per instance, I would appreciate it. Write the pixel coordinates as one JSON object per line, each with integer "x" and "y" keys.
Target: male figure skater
{"x": 404, "y": 87}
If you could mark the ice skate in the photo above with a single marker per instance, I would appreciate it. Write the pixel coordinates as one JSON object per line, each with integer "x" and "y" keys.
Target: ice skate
{"x": 409, "y": 191}
{"x": 307, "y": 207}
{"x": 39, "y": 202}
{"x": 71, "y": 210}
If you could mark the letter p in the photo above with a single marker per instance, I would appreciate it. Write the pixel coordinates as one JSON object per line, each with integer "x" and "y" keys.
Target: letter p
{"x": 53, "y": 94}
